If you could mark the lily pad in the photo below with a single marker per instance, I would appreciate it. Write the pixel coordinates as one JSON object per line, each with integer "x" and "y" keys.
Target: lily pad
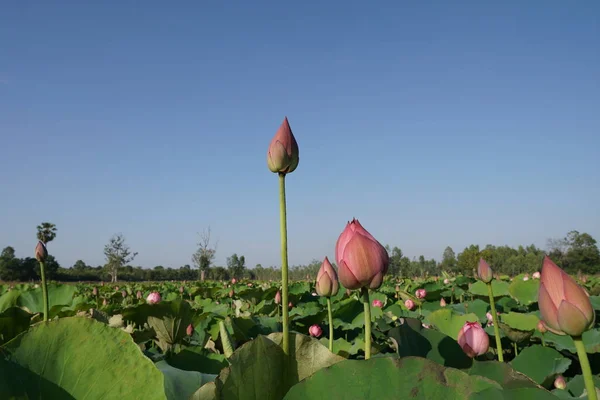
{"x": 540, "y": 363}
{"x": 525, "y": 292}
{"x": 500, "y": 288}
{"x": 522, "y": 322}
{"x": 449, "y": 322}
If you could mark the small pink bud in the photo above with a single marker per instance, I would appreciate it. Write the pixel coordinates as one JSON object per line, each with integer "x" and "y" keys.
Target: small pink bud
{"x": 327, "y": 280}
{"x": 560, "y": 383}
{"x": 489, "y": 317}
{"x": 409, "y": 304}
{"x": 377, "y": 303}
{"x": 446, "y": 281}
{"x": 153, "y": 298}
{"x": 278, "y": 297}
{"x": 315, "y": 330}
{"x": 536, "y": 275}
{"x": 397, "y": 288}
{"x": 102, "y": 283}
{"x": 233, "y": 281}
{"x": 442, "y": 302}
{"x": 95, "y": 291}
{"x": 473, "y": 339}
{"x": 123, "y": 293}
{"x": 231, "y": 293}
{"x": 526, "y": 278}
{"x": 290, "y": 305}
{"x": 249, "y": 285}
{"x": 484, "y": 272}
{"x": 189, "y": 330}
{"x": 116, "y": 288}
{"x": 283, "y": 154}
{"x": 41, "y": 253}
{"x": 104, "y": 302}
{"x": 420, "y": 293}
{"x": 541, "y": 327}
{"x": 138, "y": 294}
{"x": 181, "y": 289}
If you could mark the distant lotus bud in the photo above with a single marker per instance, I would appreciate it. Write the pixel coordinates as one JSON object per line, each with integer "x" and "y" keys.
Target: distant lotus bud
{"x": 484, "y": 272}
{"x": 397, "y": 288}
{"x": 420, "y": 293}
{"x": 153, "y": 298}
{"x": 41, "y": 253}
{"x": 123, "y": 293}
{"x": 314, "y": 294}
{"x": 409, "y": 304}
{"x": 327, "y": 280}
{"x": 565, "y": 307}
{"x": 278, "y": 297}
{"x": 446, "y": 281}
{"x": 104, "y": 302}
{"x": 231, "y": 293}
{"x": 189, "y": 330}
{"x": 442, "y": 302}
{"x": 377, "y": 303}
{"x": 283, "y": 154}
{"x": 489, "y": 317}
{"x": 560, "y": 383}
{"x": 536, "y": 275}
{"x": 362, "y": 260}
{"x": 233, "y": 281}
{"x": 95, "y": 291}
{"x": 116, "y": 288}
{"x": 138, "y": 294}
{"x": 181, "y": 289}
{"x": 541, "y": 327}
{"x": 426, "y": 326}
{"x": 315, "y": 330}
{"x": 290, "y": 305}
{"x": 473, "y": 339}
{"x": 102, "y": 283}
{"x": 249, "y": 285}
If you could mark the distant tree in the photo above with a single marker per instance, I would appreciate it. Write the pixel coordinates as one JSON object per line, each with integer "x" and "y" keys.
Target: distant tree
{"x": 399, "y": 264}
{"x": 582, "y": 254}
{"x": 467, "y": 260}
{"x": 236, "y": 266}
{"x": 205, "y": 254}
{"x": 79, "y": 265}
{"x": 46, "y": 232}
{"x": 51, "y": 267}
{"x": 449, "y": 260}
{"x": 117, "y": 254}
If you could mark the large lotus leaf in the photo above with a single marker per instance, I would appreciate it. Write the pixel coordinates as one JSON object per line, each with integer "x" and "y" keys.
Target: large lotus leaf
{"x": 576, "y": 386}
{"x": 197, "y": 358}
{"x": 449, "y": 322}
{"x": 412, "y": 339}
{"x": 345, "y": 312}
{"x": 502, "y": 373}
{"x": 9, "y": 299}
{"x": 477, "y": 307}
{"x": 12, "y": 322}
{"x": 522, "y": 322}
{"x": 180, "y": 384}
{"x": 526, "y": 393}
{"x": 591, "y": 340}
{"x": 258, "y": 369}
{"x": 595, "y": 300}
{"x": 170, "y": 326}
{"x": 388, "y": 378}
{"x": 525, "y": 292}
{"x": 79, "y": 358}
{"x": 515, "y": 335}
{"x": 58, "y": 295}
{"x": 341, "y": 347}
{"x": 479, "y": 288}
{"x": 540, "y": 363}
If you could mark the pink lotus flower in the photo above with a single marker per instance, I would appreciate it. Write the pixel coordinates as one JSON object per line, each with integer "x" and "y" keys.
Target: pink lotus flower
{"x": 560, "y": 383}
{"x": 409, "y": 304}
{"x": 153, "y": 298}
{"x": 362, "y": 260}
{"x": 315, "y": 330}
{"x": 189, "y": 330}
{"x": 489, "y": 317}
{"x": 565, "y": 307}
{"x": 536, "y": 275}
{"x": 473, "y": 339}
{"x": 442, "y": 302}
{"x": 249, "y": 285}
{"x": 420, "y": 293}
{"x": 327, "y": 280}
{"x": 283, "y": 154}
{"x": 278, "y": 297}
{"x": 484, "y": 272}
{"x": 377, "y": 303}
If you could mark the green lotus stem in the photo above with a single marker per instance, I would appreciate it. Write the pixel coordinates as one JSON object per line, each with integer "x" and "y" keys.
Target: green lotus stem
{"x": 495, "y": 320}
{"x": 284, "y": 265}
{"x": 44, "y": 290}
{"x": 585, "y": 368}
{"x": 543, "y": 341}
{"x": 367, "y": 304}
{"x": 516, "y": 349}
{"x": 225, "y": 340}
{"x": 330, "y": 314}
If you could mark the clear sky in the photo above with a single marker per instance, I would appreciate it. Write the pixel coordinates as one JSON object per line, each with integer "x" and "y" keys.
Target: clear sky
{"x": 434, "y": 123}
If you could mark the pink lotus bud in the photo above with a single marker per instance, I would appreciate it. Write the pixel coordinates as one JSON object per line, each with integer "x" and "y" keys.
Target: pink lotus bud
{"x": 233, "y": 281}
{"x": 41, "y": 253}
{"x": 426, "y": 326}
{"x": 278, "y": 297}
{"x": 315, "y": 330}
{"x": 541, "y": 327}
{"x": 484, "y": 272}
{"x": 442, "y": 302}
{"x": 95, "y": 291}
{"x": 327, "y": 280}
{"x": 473, "y": 339}
{"x": 123, "y": 293}
{"x": 397, "y": 288}
{"x": 290, "y": 305}
{"x": 362, "y": 260}
{"x": 181, "y": 289}
{"x": 102, "y": 283}
{"x": 283, "y": 154}
{"x": 104, "y": 302}
{"x": 420, "y": 293}
{"x": 231, "y": 293}
{"x": 348, "y": 292}
{"x": 138, "y": 294}
{"x": 560, "y": 383}
{"x": 377, "y": 303}
{"x": 153, "y": 298}
{"x": 189, "y": 330}
{"x": 565, "y": 307}
{"x": 536, "y": 275}
{"x": 409, "y": 304}
{"x": 446, "y": 281}
{"x": 116, "y": 288}
{"x": 489, "y": 317}
{"x": 526, "y": 278}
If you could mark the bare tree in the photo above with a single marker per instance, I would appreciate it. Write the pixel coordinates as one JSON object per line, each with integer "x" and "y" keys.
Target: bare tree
{"x": 205, "y": 254}
{"x": 117, "y": 255}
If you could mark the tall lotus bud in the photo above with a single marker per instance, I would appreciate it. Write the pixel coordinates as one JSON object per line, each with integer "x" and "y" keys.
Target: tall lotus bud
{"x": 409, "y": 304}
{"x": 231, "y": 293}
{"x": 315, "y": 330}
{"x": 283, "y": 153}
{"x": 153, "y": 298}
{"x": 138, "y": 294}
{"x": 189, "y": 330}
{"x": 420, "y": 293}
{"x": 560, "y": 383}
{"x": 41, "y": 253}
{"x": 233, "y": 281}
{"x": 95, "y": 291}
{"x": 442, "y": 302}
{"x": 123, "y": 293}
{"x": 362, "y": 260}
{"x": 565, "y": 307}
{"x": 278, "y": 297}
{"x": 327, "y": 280}
{"x": 290, "y": 305}
{"x": 484, "y": 272}
{"x": 104, "y": 302}
{"x": 181, "y": 289}
{"x": 473, "y": 339}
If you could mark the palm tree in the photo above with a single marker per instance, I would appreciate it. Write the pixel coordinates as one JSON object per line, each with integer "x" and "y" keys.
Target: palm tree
{"x": 46, "y": 232}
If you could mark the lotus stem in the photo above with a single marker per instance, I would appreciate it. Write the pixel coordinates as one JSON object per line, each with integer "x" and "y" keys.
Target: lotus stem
{"x": 543, "y": 341}
{"x": 516, "y": 349}
{"x": 495, "y": 320}
{"x": 284, "y": 265}
{"x": 585, "y": 368}
{"x": 367, "y": 305}
{"x": 44, "y": 289}
{"x": 330, "y": 314}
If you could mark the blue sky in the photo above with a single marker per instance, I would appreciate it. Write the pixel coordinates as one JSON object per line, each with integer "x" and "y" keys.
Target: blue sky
{"x": 446, "y": 123}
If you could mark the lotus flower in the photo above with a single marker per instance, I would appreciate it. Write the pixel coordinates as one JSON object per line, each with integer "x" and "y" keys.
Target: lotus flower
{"x": 536, "y": 275}
{"x": 283, "y": 155}
{"x": 484, "y": 272}
{"x": 442, "y": 302}
{"x": 153, "y": 298}
{"x": 473, "y": 339}
{"x": 362, "y": 260}
{"x": 315, "y": 330}
{"x": 420, "y": 293}
{"x": 377, "y": 303}
{"x": 41, "y": 253}
{"x": 327, "y": 280}
{"x": 560, "y": 383}
{"x": 278, "y": 297}
{"x": 189, "y": 330}
{"x": 409, "y": 304}
{"x": 565, "y": 307}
